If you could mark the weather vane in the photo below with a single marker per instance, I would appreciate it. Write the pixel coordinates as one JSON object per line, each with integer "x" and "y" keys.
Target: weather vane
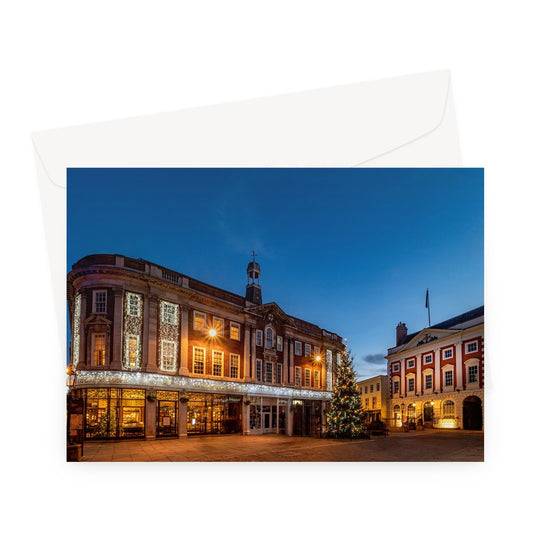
{"x": 253, "y": 254}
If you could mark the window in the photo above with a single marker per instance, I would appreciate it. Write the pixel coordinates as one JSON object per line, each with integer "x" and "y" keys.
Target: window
{"x": 268, "y": 372}
{"x": 411, "y": 384}
{"x": 298, "y": 376}
{"x": 308, "y": 350}
{"x": 278, "y": 372}
{"x": 448, "y": 353}
{"x": 428, "y": 359}
{"x": 317, "y": 379}
{"x": 471, "y": 347}
{"x": 395, "y": 367}
{"x": 169, "y": 313}
{"x": 234, "y": 331}
{"x": 132, "y": 344}
{"x": 366, "y": 403}
{"x": 472, "y": 374}
{"x": 366, "y": 389}
{"x": 218, "y": 325}
{"x": 373, "y": 402}
{"x": 411, "y": 363}
{"x": 168, "y": 355}
{"x": 269, "y": 338}
{"x": 297, "y": 348}
{"x": 199, "y": 322}
{"x": 99, "y": 301}
{"x": 234, "y": 366}
{"x": 317, "y": 350}
{"x": 377, "y": 387}
{"x": 280, "y": 344}
{"x": 307, "y": 377}
{"x": 198, "y": 364}
{"x": 133, "y": 304}
{"x": 428, "y": 381}
{"x": 371, "y": 389}
{"x": 448, "y": 409}
{"x": 259, "y": 370}
{"x": 99, "y": 350}
{"x": 218, "y": 363}
{"x": 396, "y": 386}
{"x": 448, "y": 378}
{"x": 259, "y": 338}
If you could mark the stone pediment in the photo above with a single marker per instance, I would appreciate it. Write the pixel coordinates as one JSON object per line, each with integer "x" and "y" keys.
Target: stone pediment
{"x": 270, "y": 313}
{"x": 97, "y": 319}
{"x": 428, "y": 336}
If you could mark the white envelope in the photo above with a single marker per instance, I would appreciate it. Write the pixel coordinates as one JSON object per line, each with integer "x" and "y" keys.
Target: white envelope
{"x": 407, "y": 121}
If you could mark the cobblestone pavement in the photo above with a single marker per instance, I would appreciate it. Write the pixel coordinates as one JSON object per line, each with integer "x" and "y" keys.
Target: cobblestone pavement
{"x": 429, "y": 445}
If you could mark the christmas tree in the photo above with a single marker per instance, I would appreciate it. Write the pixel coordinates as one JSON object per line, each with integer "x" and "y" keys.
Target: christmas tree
{"x": 345, "y": 416}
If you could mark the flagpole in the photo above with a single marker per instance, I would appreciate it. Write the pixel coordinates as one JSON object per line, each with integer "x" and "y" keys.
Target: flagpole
{"x": 427, "y": 305}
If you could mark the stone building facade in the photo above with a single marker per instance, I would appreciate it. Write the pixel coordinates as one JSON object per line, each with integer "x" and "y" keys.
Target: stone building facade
{"x": 436, "y": 375}
{"x": 160, "y": 354}
{"x": 374, "y": 396}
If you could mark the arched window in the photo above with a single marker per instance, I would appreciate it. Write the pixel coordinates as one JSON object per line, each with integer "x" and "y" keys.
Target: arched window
{"x": 448, "y": 409}
{"x": 269, "y": 335}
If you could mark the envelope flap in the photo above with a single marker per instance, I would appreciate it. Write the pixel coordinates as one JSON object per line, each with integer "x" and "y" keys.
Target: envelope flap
{"x": 333, "y": 127}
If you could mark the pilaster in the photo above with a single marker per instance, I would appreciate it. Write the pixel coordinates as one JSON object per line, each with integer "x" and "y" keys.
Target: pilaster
{"x": 184, "y": 344}
{"x": 437, "y": 370}
{"x": 82, "y": 363}
{"x": 150, "y": 333}
{"x": 285, "y": 373}
{"x": 116, "y": 352}
{"x": 182, "y": 419}
{"x": 459, "y": 366}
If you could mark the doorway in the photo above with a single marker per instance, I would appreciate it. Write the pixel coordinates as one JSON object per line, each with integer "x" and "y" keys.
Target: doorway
{"x": 472, "y": 413}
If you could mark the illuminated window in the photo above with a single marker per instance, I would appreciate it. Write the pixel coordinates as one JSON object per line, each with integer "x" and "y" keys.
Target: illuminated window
{"x": 234, "y": 331}
{"x": 269, "y": 338}
{"x": 234, "y": 365}
{"x": 218, "y": 362}
{"x": 472, "y": 374}
{"x": 308, "y": 350}
{"x": 133, "y": 350}
{"x": 428, "y": 359}
{"x": 169, "y": 313}
{"x": 307, "y": 377}
{"x": 259, "y": 337}
{"x": 448, "y": 409}
{"x": 317, "y": 379}
{"x": 297, "y": 348}
{"x": 268, "y": 372}
{"x": 280, "y": 344}
{"x": 447, "y": 354}
{"x": 133, "y": 304}
{"x": 99, "y": 350}
{"x": 198, "y": 360}
{"x": 199, "y": 321}
{"x": 298, "y": 376}
{"x": 168, "y": 356}
{"x": 218, "y": 325}
{"x": 428, "y": 381}
{"x": 448, "y": 378}
{"x": 259, "y": 370}
{"x": 99, "y": 301}
{"x": 471, "y": 347}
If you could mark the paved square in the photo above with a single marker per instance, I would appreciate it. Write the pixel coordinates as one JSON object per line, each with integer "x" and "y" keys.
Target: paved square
{"x": 429, "y": 445}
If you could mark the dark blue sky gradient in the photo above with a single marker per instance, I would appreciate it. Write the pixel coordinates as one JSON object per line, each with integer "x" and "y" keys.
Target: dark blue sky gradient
{"x": 352, "y": 250}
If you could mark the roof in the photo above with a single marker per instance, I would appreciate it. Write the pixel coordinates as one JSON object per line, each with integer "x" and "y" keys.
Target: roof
{"x": 451, "y": 322}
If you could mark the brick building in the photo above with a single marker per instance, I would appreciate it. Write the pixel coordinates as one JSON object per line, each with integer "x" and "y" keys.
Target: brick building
{"x": 436, "y": 375}
{"x": 160, "y": 354}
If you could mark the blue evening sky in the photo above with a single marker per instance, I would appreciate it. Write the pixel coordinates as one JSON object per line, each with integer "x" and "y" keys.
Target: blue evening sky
{"x": 351, "y": 250}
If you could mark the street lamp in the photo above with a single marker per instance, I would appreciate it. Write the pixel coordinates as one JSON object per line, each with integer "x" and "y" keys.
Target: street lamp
{"x": 71, "y": 377}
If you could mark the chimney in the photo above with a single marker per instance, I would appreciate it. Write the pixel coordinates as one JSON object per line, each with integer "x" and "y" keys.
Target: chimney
{"x": 401, "y": 333}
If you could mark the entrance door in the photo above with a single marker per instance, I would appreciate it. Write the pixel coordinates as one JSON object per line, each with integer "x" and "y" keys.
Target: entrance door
{"x": 472, "y": 413}
{"x": 428, "y": 414}
{"x": 167, "y": 418}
